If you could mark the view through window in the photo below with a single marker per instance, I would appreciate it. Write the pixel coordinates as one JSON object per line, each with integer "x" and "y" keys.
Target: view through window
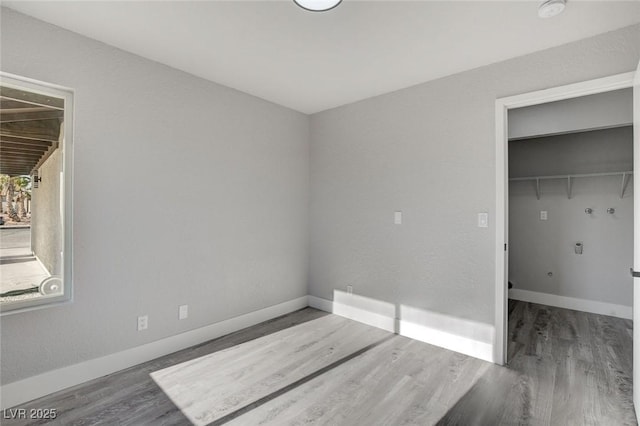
{"x": 34, "y": 185}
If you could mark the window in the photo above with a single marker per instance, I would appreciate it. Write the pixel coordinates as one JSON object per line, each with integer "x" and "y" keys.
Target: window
{"x": 36, "y": 151}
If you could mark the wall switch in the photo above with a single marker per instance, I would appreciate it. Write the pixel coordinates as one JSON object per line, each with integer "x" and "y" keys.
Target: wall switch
{"x": 543, "y": 215}
{"x": 143, "y": 322}
{"x": 483, "y": 220}
{"x": 397, "y": 218}
{"x": 349, "y": 289}
{"x": 183, "y": 312}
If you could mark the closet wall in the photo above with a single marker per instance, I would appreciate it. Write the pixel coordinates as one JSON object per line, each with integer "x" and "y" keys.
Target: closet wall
{"x": 542, "y": 256}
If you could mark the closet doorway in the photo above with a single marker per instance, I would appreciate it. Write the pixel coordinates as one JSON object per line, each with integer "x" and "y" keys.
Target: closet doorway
{"x": 554, "y": 195}
{"x": 570, "y": 207}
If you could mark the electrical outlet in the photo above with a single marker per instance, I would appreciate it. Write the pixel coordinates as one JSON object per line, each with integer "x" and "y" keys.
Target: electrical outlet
{"x": 143, "y": 322}
{"x": 349, "y": 289}
{"x": 183, "y": 312}
{"x": 543, "y": 215}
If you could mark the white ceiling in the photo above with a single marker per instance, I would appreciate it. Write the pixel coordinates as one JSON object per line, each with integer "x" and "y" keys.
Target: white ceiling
{"x": 314, "y": 61}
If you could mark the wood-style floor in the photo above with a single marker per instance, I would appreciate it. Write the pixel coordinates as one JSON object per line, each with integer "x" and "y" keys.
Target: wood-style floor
{"x": 309, "y": 367}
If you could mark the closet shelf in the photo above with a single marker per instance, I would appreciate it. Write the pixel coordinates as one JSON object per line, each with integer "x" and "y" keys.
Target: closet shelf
{"x": 537, "y": 179}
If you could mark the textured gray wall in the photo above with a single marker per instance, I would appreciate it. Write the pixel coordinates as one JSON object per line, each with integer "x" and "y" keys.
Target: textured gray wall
{"x": 608, "y": 109}
{"x": 46, "y": 222}
{"x": 429, "y": 151}
{"x": 186, "y": 192}
{"x": 426, "y": 150}
{"x": 601, "y": 273}
{"x": 596, "y": 151}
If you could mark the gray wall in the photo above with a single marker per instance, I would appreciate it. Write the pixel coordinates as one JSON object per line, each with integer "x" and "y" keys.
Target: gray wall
{"x": 429, "y": 151}
{"x": 46, "y": 221}
{"x": 186, "y": 192}
{"x": 596, "y": 151}
{"x": 218, "y": 217}
{"x": 601, "y": 273}
{"x": 608, "y": 109}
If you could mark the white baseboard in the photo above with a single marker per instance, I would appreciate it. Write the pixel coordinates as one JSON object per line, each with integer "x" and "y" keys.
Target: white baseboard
{"x": 584, "y": 305}
{"x": 320, "y": 303}
{"x": 38, "y": 386}
{"x": 433, "y": 328}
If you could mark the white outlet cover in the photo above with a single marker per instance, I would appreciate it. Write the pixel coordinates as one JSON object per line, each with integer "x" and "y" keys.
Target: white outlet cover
{"x": 543, "y": 215}
{"x": 143, "y": 322}
{"x": 183, "y": 312}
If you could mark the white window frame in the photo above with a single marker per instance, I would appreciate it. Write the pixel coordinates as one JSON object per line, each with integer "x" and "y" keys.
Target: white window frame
{"x": 67, "y": 94}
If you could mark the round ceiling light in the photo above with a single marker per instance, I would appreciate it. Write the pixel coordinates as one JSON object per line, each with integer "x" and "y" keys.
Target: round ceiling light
{"x": 551, "y": 8}
{"x": 317, "y": 5}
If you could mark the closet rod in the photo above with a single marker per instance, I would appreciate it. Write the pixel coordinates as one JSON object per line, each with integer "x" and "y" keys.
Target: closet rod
{"x": 571, "y": 176}
{"x": 625, "y": 180}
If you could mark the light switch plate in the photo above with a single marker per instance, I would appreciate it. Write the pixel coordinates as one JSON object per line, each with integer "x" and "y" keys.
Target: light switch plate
{"x": 483, "y": 220}
{"x": 397, "y": 218}
{"x": 543, "y": 215}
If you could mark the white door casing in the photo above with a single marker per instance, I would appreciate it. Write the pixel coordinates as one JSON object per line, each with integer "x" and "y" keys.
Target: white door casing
{"x": 636, "y": 240}
{"x": 591, "y": 87}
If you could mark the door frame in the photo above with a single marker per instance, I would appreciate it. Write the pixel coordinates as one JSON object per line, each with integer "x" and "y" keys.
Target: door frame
{"x": 503, "y": 105}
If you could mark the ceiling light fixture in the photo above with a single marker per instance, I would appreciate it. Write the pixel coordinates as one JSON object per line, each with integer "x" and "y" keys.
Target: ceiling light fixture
{"x": 317, "y": 5}
{"x": 551, "y": 8}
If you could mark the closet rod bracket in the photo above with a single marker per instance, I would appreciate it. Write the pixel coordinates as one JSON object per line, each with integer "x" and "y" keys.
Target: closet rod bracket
{"x": 625, "y": 181}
